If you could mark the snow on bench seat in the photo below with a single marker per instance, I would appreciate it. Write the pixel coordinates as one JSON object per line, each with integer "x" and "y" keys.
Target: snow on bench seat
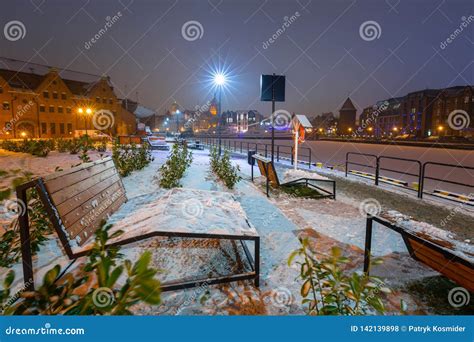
{"x": 292, "y": 175}
{"x": 186, "y": 211}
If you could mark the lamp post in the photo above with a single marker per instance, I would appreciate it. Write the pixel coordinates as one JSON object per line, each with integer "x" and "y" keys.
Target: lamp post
{"x": 219, "y": 81}
{"x": 87, "y": 112}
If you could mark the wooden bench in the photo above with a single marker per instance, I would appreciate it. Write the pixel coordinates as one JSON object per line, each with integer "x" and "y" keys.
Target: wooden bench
{"x": 267, "y": 169}
{"x": 79, "y": 199}
{"x": 434, "y": 253}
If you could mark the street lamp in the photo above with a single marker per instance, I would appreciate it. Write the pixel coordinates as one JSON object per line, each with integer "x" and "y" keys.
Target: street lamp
{"x": 220, "y": 80}
{"x": 86, "y": 110}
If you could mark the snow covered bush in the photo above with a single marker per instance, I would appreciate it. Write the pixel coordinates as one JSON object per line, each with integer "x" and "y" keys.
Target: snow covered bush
{"x": 328, "y": 290}
{"x": 39, "y": 148}
{"x": 224, "y": 169}
{"x": 173, "y": 170}
{"x": 92, "y": 288}
{"x": 129, "y": 158}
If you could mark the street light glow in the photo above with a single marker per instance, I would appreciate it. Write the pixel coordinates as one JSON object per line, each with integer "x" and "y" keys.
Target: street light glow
{"x": 219, "y": 79}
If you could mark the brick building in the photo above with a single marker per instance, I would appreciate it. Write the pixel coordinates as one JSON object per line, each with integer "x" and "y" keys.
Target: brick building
{"x": 422, "y": 113}
{"x": 46, "y": 105}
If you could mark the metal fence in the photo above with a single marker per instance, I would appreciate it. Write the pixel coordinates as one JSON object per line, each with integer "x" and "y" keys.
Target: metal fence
{"x": 421, "y": 176}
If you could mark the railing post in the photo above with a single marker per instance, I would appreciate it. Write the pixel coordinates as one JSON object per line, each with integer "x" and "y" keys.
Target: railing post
{"x": 292, "y": 156}
{"x": 241, "y": 147}
{"x": 309, "y": 163}
{"x": 377, "y": 171}
{"x": 368, "y": 243}
{"x": 265, "y": 150}
{"x": 278, "y": 153}
{"x": 422, "y": 181}
{"x": 347, "y": 162}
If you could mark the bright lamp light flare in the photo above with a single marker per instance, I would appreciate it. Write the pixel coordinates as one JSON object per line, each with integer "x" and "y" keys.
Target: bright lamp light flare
{"x": 219, "y": 79}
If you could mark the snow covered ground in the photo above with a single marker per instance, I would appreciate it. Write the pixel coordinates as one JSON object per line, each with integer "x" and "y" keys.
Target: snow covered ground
{"x": 279, "y": 220}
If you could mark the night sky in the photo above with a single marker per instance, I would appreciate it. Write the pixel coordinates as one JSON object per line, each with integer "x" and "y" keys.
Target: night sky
{"x": 321, "y": 52}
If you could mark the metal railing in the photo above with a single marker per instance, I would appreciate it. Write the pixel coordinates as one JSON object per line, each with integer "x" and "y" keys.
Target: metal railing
{"x": 281, "y": 151}
{"x": 421, "y": 176}
{"x": 424, "y": 176}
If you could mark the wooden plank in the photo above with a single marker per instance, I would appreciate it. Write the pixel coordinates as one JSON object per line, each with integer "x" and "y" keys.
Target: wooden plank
{"x": 272, "y": 175}
{"x": 76, "y": 176}
{"x": 419, "y": 248}
{"x": 451, "y": 269}
{"x": 85, "y": 228}
{"x": 88, "y": 205}
{"x": 82, "y": 166}
{"x": 74, "y": 190}
{"x": 98, "y": 212}
{"x": 261, "y": 167}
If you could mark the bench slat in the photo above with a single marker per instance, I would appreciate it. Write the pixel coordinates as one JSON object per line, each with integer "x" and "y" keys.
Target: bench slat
{"x": 74, "y": 191}
{"x": 91, "y": 223}
{"x": 88, "y": 205}
{"x": 451, "y": 269}
{"x": 76, "y": 175}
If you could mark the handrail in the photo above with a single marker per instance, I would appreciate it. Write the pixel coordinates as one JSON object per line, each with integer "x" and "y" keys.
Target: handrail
{"x": 424, "y": 176}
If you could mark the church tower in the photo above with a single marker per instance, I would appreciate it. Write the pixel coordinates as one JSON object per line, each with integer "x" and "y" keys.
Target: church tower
{"x": 347, "y": 117}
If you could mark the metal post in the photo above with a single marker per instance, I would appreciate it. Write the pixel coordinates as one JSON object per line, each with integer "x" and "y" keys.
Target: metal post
{"x": 292, "y": 156}
{"x": 25, "y": 240}
{"x": 257, "y": 262}
{"x": 368, "y": 243}
{"x": 266, "y": 151}
{"x": 377, "y": 171}
{"x": 278, "y": 153}
{"x": 309, "y": 163}
{"x": 241, "y": 147}
{"x": 219, "y": 119}
{"x": 273, "y": 111}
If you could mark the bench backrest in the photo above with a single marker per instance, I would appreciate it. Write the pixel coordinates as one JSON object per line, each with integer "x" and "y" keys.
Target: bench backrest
{"x": 267, "y": 169}
{"x": 83, "y": 196}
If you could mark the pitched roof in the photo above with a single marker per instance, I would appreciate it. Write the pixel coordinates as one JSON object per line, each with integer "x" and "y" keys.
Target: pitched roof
{"x": 23, "y": 80}
{"x": 31, "y": 81}
{"x": 348, "y": 105}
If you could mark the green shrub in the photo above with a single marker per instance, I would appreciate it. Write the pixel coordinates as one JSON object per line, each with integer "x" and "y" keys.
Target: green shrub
{"x": 173, "y": 170}
{"x": 224, "y": 169}
{"x": 40, "y": 227}
{"x": 328, "y": 290}
{"x": 129, "y": 158}
{"x": 90, "y": 289}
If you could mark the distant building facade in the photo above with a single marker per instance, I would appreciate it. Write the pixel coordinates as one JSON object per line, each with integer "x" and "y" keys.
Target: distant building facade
{"x": 422, "y": 114}
{"x": 46, "y": 105}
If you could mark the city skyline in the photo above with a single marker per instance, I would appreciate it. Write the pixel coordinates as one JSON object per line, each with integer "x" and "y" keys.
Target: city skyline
{"x": 322, "y": 49}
